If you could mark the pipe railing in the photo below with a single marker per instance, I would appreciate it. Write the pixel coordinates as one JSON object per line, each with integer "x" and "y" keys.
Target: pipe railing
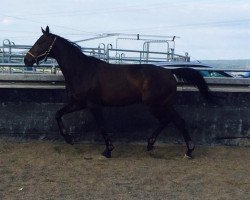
{"x": 11, "y": 53}
{"x": 11, "y": 59}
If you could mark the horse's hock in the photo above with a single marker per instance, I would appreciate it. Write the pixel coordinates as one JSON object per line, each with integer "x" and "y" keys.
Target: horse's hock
{"x": 28, "y": 110}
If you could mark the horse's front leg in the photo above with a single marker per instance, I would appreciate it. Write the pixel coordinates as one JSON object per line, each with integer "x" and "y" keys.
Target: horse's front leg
{"x": 109, "y": 146}
{"x": 69, "y": 108}
{"x": 97, "y": 112}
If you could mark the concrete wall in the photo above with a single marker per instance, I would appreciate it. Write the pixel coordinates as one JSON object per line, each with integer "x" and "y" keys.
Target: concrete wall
{"x": 29, "y": 113}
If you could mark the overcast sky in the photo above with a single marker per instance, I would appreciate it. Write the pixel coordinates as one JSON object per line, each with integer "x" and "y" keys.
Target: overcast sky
{"x": 208, "y": 29}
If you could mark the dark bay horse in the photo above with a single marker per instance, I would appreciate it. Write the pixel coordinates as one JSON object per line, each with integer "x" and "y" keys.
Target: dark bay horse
{"x": 91, "y": 82}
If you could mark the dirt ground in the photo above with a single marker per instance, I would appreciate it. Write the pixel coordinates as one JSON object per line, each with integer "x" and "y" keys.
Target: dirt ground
{"x": 54, "y": 170}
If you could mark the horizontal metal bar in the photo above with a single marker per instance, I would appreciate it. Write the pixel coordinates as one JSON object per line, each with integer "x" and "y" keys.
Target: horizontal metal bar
{"x": 142, "y": 35}
{"x": 105, "y": 35}
{"x": 31, "y": 77}
{"x": 59, "y": 78}
{"x": 112, "y": 58}
{"x": 60, "y": 85}
{"x": 210, "y": 69}
{"x": 43, "y": 85}
{"x": 136, "y": 51}
{"x": 216, "y": 88}
{"x": 23, "y": 65}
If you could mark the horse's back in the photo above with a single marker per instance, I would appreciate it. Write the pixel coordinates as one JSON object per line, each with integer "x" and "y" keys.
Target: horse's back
{"x": 129, "y": 84}
{"x": 119, "y": 85}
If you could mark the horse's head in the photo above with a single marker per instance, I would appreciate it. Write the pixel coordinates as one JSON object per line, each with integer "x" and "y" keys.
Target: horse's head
{"x": 41, "y": 49}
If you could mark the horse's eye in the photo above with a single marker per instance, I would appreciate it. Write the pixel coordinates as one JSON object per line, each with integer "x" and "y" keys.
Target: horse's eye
{"x": 40, "y": 42}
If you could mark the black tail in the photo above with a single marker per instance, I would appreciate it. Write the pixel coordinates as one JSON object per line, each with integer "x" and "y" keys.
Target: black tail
{"x": 194, "y": 77}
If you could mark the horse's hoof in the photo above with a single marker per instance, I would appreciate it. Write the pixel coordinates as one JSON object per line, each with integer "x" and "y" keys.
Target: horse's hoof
{"x": 150, "y": 147}
{"x": 188, "y": 156}
{"x": 69, "y": 139}
{"x": 107, "y": 153}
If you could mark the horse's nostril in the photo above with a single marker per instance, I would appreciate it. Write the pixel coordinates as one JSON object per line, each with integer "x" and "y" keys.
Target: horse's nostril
{"x": 27, "y": 61}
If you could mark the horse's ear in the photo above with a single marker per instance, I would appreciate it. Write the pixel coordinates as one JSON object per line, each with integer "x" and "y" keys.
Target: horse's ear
{"x": 43, "y": 31}
{"x": 46, "y": 31}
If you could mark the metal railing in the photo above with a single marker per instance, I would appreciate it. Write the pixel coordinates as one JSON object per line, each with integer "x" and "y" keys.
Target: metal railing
{"x": 11, "y": 57}
{"x": 12, "y": 53}
{"x": 11, "y": 60}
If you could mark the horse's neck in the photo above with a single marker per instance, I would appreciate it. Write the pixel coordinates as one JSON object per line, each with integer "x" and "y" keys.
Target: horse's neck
{"x": 64, "y": 56}
{"x": 75, "y": 66}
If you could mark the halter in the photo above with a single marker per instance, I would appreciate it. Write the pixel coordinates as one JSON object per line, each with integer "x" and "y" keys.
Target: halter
{"x": 46, "y": 53}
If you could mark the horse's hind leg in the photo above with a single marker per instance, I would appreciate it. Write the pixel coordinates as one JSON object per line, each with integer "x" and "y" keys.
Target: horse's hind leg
{"x": 153, "y": 137}
{"x": 98, "y": 115}
{"x": 165, "y": 116}
{"x": 181, "y": 125}
{"x": 164, "y": 119}
{"x": 69, "y": 108}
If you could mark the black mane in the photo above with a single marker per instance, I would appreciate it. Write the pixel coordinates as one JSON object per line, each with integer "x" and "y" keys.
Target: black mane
{"x": 77, "y": 49}
{"x": 75, "y": 46}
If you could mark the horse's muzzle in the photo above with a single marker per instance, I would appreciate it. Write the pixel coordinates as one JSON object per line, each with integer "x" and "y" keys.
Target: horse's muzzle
{"x": 28, "y": 61}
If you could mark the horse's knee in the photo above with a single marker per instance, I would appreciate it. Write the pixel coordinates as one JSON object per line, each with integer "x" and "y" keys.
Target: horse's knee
{"x": 58, "y": 115}
{"x": 151, "y": 142}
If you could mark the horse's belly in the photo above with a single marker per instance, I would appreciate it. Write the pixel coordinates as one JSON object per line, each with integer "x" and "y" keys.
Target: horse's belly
{"x": 122, "y": 98}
